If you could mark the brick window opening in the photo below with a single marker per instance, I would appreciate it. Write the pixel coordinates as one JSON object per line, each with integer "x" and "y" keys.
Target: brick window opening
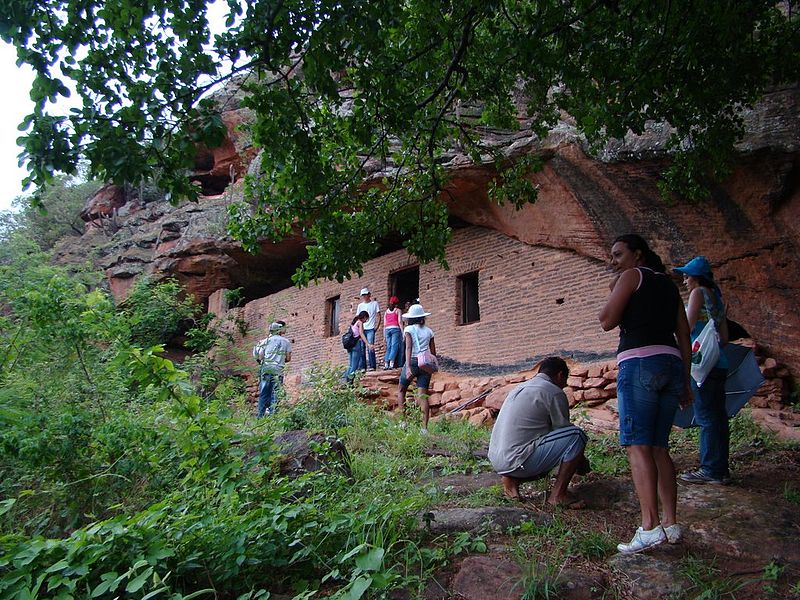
{"x": 405, "y": 285}
{"x": 469, "y": 310}
{"x": 332, "y": 316}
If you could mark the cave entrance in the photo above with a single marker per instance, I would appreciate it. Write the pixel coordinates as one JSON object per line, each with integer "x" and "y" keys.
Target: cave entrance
{"x": 405, "y": 285}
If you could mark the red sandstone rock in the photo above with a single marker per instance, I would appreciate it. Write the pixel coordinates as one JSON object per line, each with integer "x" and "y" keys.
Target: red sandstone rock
{"x": 595, "y": 371}
{"x": 594, "y": 382}
{"x": 480, "y": 418}
{"x": 103, "y": 202}
{"x": 575, "y": 382}
{"x": 580, "y": 372}
{"x": 451, "y": 396}
{"x": 495, "y": 399}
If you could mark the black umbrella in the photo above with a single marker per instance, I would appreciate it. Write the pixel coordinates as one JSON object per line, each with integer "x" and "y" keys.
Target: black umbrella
{"x": 744, "y": 378}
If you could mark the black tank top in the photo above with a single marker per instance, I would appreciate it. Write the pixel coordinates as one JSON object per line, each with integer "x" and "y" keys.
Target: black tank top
{"x": 650, "y": 316}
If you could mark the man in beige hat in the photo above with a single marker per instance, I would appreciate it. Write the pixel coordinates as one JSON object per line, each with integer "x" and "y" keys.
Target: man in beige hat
{"x": 272, "y": 353}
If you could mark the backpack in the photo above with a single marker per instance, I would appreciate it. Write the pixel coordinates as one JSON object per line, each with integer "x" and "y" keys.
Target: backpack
{"x": 349, "y": 340}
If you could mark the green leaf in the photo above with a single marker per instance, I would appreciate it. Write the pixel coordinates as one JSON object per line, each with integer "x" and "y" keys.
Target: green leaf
{"x": 371, "y": 560}
{"x": 134, "y": 585}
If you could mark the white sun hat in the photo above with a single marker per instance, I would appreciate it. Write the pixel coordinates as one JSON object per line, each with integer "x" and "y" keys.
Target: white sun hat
{"x": 364, "y": 291}
{"x": 415, "y": 312}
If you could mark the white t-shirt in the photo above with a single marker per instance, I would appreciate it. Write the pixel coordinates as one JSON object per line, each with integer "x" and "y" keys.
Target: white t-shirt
{"x": 272, "y": 353}
{"x": 420, "y": 334}
{"x": 373, "y": 308}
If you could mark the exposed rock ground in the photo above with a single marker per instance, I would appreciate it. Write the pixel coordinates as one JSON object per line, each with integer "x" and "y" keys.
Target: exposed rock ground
{"x": 740, "y": 541}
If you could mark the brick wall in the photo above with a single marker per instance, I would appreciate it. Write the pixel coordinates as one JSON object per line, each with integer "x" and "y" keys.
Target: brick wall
{"x": 533, "y": 301}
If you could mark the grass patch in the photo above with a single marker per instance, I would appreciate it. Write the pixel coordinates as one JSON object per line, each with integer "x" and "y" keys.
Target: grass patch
{"x": 707, "y": 582}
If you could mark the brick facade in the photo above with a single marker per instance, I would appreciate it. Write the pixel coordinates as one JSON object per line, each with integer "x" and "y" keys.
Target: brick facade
{"x": 533, "y": 301}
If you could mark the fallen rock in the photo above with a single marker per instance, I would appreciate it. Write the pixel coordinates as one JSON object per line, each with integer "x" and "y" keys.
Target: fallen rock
{"x": 452, "y": 520}
{"x": 488, "y": 578}
{"x": 651, "y": 576}
{"x": 303, "y": 452}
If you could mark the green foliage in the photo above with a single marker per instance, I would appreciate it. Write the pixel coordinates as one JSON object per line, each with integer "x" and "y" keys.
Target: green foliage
{"x": 388, "y": 90}
{"x": 123, "y": 475}
{"x": 706, "y": 582}
{"x": 156, "y": 311}
{"x": 323, "y": 404}
{"x": 606, "y": 455}
{"x": 58, "y": 214}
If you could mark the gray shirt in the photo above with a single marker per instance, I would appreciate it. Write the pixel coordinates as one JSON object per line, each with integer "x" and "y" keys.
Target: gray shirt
{"x": 532, "y": 409}
{"x": 271, "y": 354}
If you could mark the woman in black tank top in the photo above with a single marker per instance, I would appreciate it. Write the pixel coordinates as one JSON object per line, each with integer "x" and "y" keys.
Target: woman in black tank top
{"x": 654, "y": 358}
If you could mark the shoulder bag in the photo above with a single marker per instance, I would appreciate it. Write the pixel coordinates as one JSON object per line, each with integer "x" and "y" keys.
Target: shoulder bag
{"x": 705, "y": 348}
{"x": 426, "y": 360}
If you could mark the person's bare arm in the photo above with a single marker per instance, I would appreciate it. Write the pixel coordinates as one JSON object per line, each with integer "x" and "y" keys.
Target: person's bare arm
{"x": 684, "y": 345}
{"x": 408, "y": 341}
{"x": 696, "y": 302}
{"x": 611, "y": 314}
{"x": 432, "y": 346}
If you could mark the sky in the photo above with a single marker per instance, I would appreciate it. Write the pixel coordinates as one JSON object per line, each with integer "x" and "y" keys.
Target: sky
{"x": 16, "y": 104}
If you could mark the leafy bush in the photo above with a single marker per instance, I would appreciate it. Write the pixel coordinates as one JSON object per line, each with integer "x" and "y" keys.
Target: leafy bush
{"x": 155, "y": 311}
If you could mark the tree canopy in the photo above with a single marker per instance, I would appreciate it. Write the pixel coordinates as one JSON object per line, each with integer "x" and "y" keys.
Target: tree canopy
{"x": 337, "y": 85}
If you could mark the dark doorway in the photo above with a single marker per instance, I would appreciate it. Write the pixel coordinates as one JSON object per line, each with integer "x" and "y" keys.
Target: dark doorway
{"x": 405, "y": 285}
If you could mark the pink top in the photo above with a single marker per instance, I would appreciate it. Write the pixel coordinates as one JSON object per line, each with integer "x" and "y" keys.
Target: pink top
{"x": 391, "y": 319}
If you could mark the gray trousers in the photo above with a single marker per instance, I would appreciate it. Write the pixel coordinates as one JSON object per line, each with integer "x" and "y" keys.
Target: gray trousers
{"x": 560, "y": 445}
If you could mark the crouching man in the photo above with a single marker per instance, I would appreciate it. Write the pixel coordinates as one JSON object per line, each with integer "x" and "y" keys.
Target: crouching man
{"x": 533, "y": 435}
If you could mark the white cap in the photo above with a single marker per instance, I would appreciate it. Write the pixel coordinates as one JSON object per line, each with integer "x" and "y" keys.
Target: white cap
{"x": 415, "y": 312}
{"x": 364, "y": 291}
{"x": 276, "y": 326}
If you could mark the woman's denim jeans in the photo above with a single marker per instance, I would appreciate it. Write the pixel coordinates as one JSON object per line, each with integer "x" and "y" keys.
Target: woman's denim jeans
{"x": 357, "y": 359}
{"x": 710, "y": 414}
{"x": 392, "y": 336}
{"x": 267, "y": 394}
{"x": 370, "y": 335}
{"x": 648, "y": 392}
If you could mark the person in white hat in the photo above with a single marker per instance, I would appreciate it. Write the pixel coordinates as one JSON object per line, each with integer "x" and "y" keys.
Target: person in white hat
{"x": 371, "y": 326}
{"x": 418, "y": 339}
{"x": 272, "y": 353}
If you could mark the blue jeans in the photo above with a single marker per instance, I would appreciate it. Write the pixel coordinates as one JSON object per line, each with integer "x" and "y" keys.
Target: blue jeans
{"x": 267, "y": 388}
{"x": 710, "y": 414}
{"x": 648, "y": 392}
{"x": 390, "y": 359}
{"x": 357, "y": 360}
{"x": 423, "y": 377}
{"x": 401, "y": 355}
{"x": 370, "y": 333}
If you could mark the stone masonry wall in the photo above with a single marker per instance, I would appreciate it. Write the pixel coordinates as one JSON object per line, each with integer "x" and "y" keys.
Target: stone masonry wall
{"x": 533, "y": 301}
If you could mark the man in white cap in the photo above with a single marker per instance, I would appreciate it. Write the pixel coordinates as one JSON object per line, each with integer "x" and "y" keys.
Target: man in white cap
{"x": 272, "y": 353}
{"x": 372, "y": 324}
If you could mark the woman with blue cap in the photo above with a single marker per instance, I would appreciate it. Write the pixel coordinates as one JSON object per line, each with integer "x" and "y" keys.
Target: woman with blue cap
{"x": 705, "y": 302}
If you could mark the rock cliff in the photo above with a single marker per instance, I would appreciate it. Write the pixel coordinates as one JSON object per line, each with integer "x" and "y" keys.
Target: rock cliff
{"x": 748, "y": 229}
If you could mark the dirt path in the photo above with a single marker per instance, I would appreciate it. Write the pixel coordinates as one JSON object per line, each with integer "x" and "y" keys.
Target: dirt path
{"x": 741, "y": 539}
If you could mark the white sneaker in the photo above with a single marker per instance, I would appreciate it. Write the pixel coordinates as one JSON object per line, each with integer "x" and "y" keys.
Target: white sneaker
{"x": 674, "y": 533}
{"x": 644, "y": 539}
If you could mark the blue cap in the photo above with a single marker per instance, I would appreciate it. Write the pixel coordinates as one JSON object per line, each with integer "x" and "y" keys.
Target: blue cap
{"x": 697, "y": 267}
